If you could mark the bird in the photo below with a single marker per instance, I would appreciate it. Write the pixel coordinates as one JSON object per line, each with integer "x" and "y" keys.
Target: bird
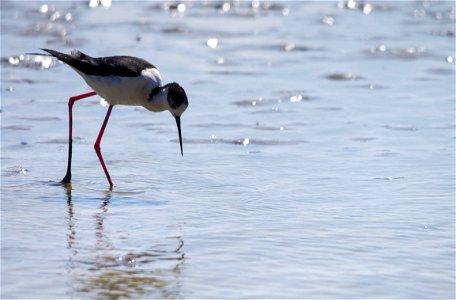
{"x": 120, "y": 80}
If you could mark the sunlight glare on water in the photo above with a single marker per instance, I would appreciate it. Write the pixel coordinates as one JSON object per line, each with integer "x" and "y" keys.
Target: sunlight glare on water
{"x": 318, "y": 152}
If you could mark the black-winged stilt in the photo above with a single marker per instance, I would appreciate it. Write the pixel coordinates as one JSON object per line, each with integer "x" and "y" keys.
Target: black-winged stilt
{"x": 122, "y": 80}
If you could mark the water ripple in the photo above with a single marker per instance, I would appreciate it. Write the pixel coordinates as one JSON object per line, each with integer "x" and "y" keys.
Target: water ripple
{"x": 345, "y": 76}
{"x": 241, "y": 141}
{"x": 409, "y": 53}
{"x": 401, "y": 127}
{"x": 39, "y": 118}
{"x": 63, "y": 141}
{"x": 17, "y": 127}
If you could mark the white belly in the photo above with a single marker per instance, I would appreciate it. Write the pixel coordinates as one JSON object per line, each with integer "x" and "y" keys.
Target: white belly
{"x": 124, "y": 90}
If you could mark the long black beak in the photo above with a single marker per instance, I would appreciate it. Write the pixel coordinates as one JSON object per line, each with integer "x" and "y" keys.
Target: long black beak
{"x": 178, "y": 123}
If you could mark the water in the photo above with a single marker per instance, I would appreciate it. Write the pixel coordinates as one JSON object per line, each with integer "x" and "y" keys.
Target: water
{"x": 318, "y": 153}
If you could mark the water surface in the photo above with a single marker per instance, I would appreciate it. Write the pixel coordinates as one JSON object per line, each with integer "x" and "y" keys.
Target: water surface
{"x": 318, "y": 152}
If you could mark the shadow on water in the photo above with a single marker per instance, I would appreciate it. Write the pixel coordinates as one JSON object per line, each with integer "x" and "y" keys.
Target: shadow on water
{"x": 97, "y": 272}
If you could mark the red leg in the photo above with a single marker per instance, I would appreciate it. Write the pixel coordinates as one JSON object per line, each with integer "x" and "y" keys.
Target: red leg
{"x": 71, "y": 101}
{"x": 97, "y": 145}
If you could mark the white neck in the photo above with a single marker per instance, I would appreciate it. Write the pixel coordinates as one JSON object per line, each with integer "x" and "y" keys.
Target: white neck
{"x": 159, "y": 102}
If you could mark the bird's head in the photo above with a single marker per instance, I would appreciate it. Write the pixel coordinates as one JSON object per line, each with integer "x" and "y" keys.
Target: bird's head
{"x": 177, "y": 99}
{"x": 178, "y": 103}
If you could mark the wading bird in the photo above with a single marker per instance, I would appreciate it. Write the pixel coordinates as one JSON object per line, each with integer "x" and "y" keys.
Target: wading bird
{"x": 123, "y": 80}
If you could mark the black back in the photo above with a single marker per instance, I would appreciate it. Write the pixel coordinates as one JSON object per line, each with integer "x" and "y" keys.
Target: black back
{"x": 124, "y": 66}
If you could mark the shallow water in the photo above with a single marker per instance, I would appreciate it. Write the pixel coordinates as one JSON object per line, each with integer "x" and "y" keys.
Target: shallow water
{"x": 318, "y": 153}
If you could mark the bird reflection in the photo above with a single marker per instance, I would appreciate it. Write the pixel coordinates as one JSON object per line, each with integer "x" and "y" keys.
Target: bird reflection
{"x": 102, "y": 240}
{"x": 71, "y": 238}
{"x": 104, "y": 271}
{"x": 71, "y": 230}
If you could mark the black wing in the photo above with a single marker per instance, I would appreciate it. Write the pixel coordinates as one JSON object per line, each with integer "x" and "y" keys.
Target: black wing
{"x": 125, "y": 66}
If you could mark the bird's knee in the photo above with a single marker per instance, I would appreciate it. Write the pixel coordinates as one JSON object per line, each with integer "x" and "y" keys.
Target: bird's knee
{"x": 71, "y": 101}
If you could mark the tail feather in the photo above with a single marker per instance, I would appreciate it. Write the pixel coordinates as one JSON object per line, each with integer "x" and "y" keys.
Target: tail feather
{"x": 41, "y": 54}
{"x": 76, "y": 59}
{"x": 61, "y": 56}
